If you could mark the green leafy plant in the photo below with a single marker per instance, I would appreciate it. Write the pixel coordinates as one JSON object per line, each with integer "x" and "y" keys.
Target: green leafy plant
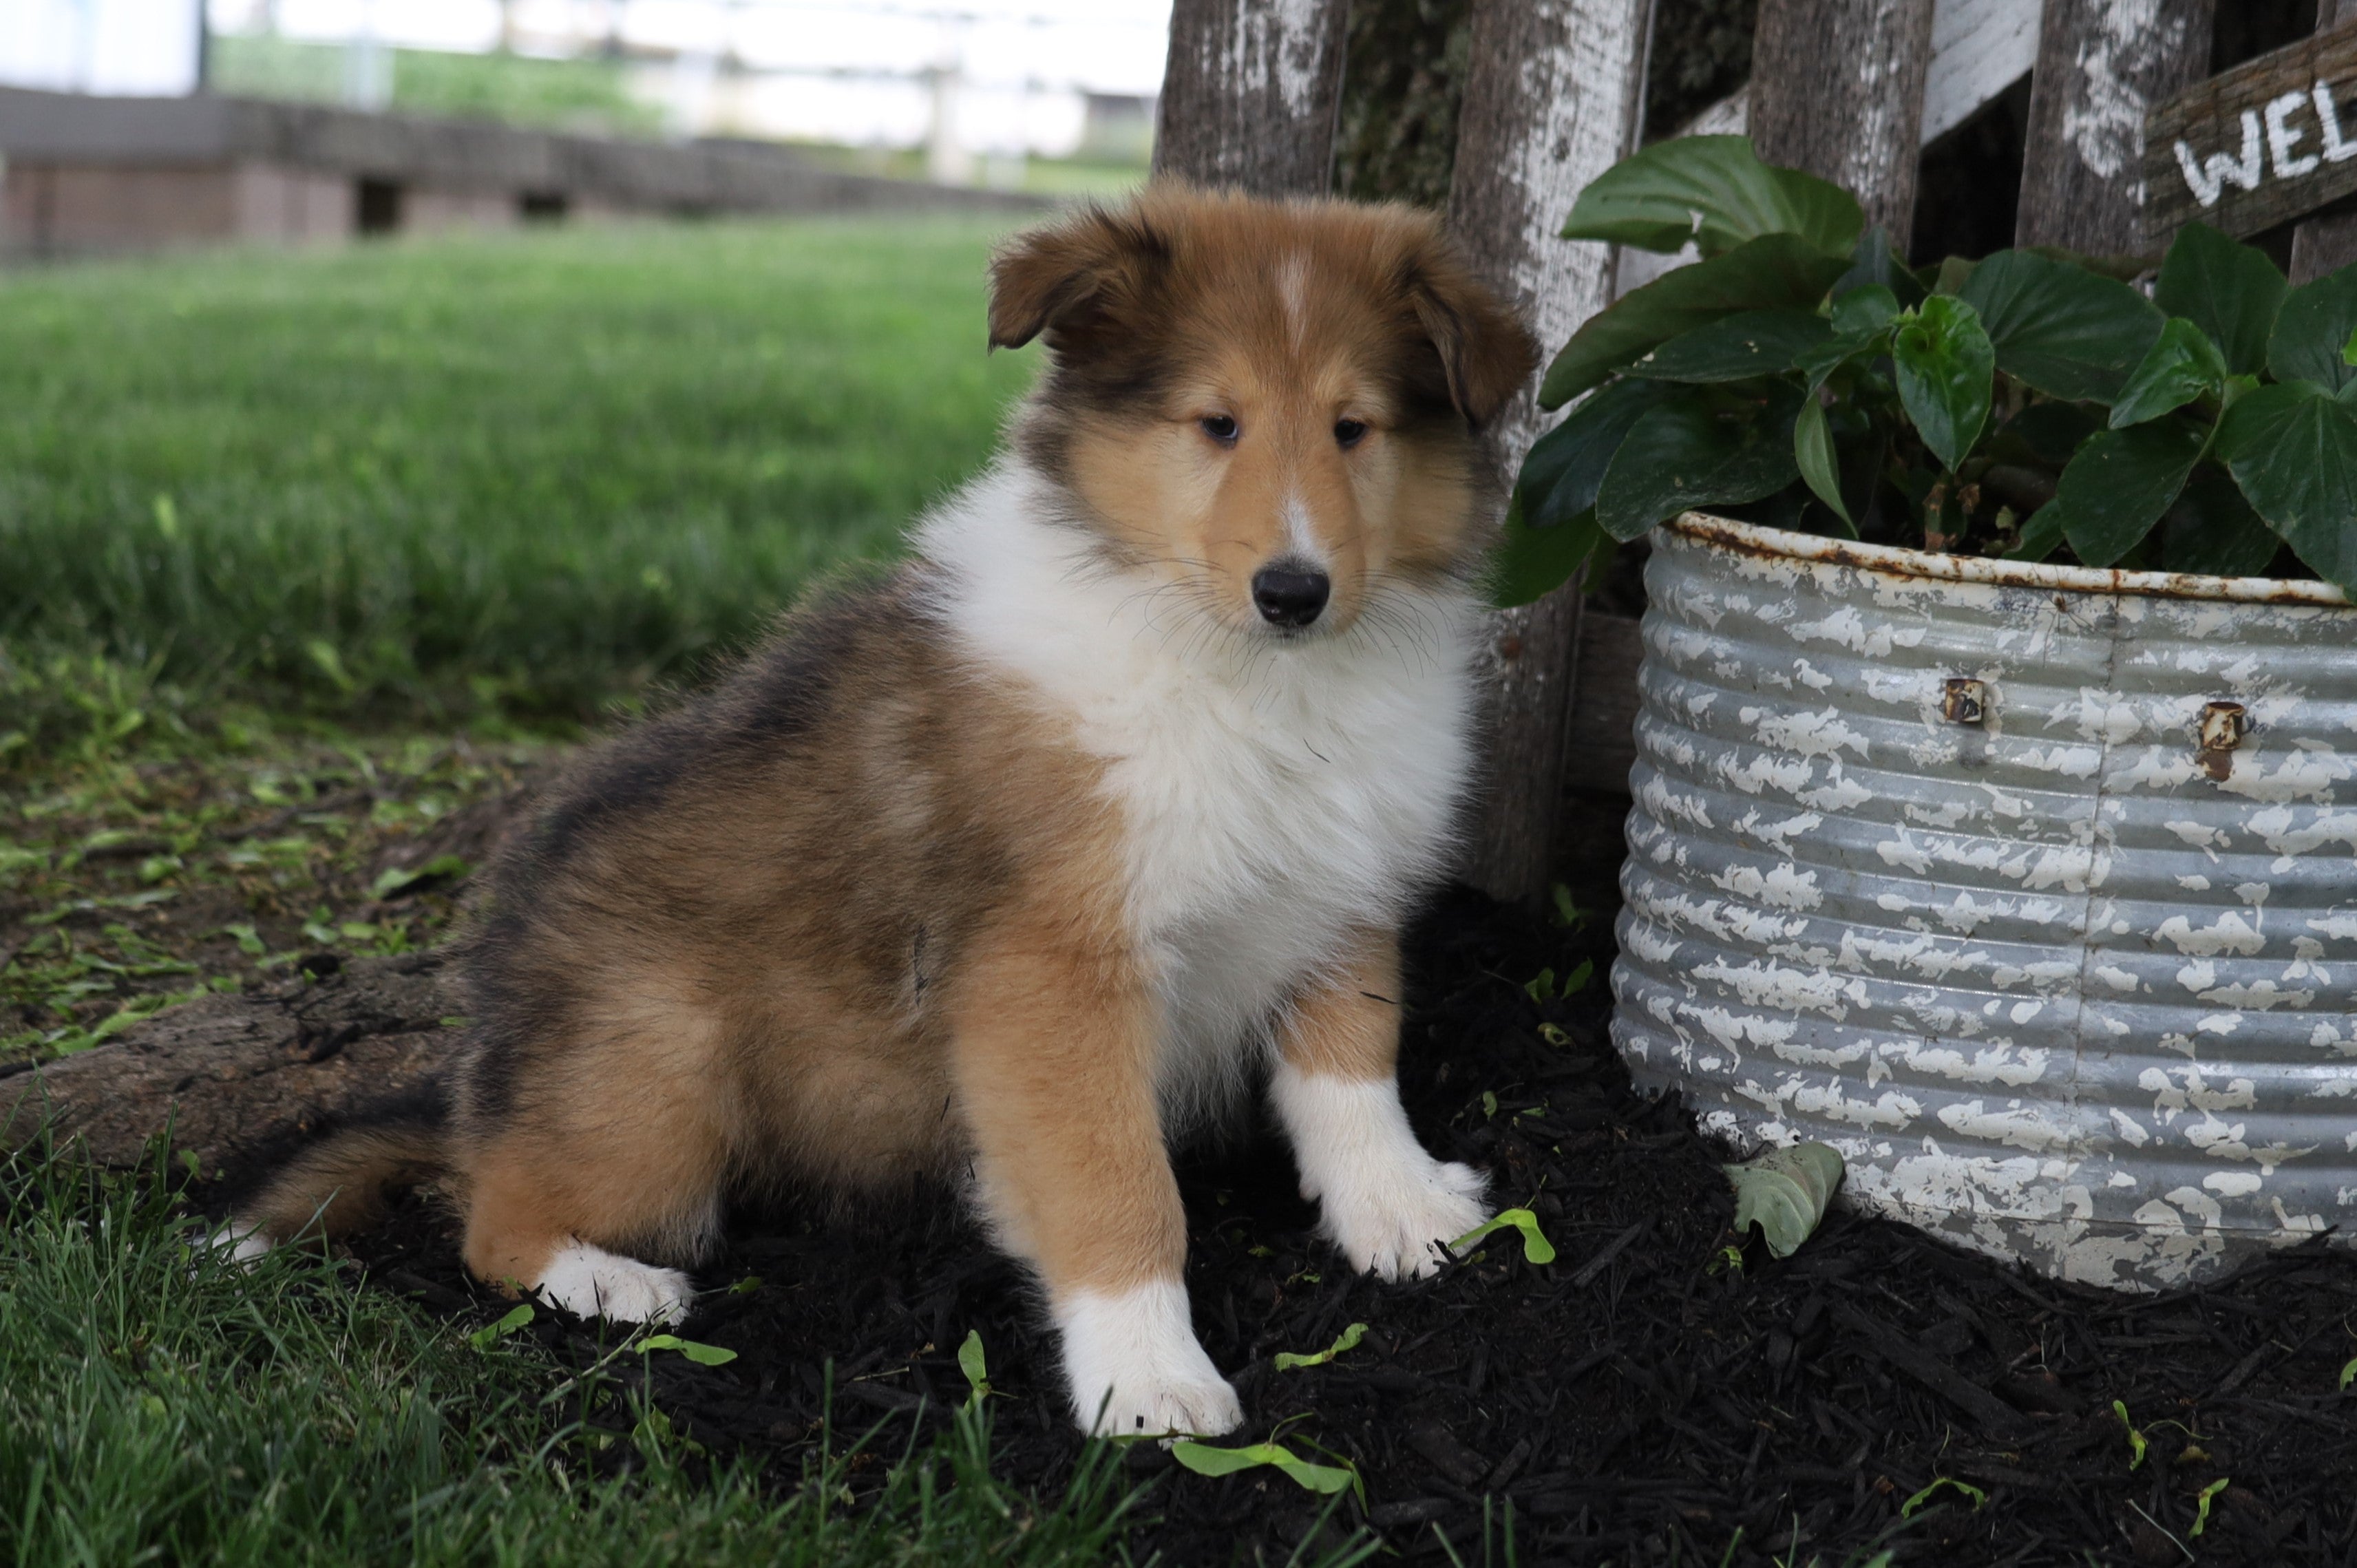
{"x": 2201, "y": 1504}
{"x": 976, "y": 1367}
{"x": 701, "y": 1354}
{"x": 1799, "y": 374}
{"x": 1785, "y": 1192}
{"x": 2136, "y": 1443}
{"x": 1536, "y": 1248}
{"x": 490, "y": 1334}
{"x": 1206, "y": 1460}
{"x": 1907, "y": 1509}
{"x": 1286, "y": 1360}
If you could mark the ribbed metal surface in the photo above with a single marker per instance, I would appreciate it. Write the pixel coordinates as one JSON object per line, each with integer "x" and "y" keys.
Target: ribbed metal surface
{"x": 2050, "y": 987}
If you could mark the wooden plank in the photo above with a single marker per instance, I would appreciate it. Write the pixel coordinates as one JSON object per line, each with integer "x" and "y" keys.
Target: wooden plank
{"x": 1551, "y": 102}
{"x": 1979, "y": 47}
{"x": 2327, "y": 242}
{"x": 1600, "y": 741}
{"x": 1250, "y": 94}
{"x": 2100, "y": 63}
{"x": 1838, "y": 90}
{"x": 2265, "y": 143}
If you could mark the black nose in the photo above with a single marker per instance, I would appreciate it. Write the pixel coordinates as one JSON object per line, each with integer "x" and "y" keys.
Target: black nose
{"x": 1288, "y": 596}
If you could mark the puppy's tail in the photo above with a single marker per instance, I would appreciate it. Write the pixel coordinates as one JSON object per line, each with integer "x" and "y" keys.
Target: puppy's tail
{"x": 341, "y": 1183}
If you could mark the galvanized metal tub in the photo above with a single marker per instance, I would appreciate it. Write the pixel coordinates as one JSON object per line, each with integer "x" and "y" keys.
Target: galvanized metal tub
{"x": 2057, "y": 980}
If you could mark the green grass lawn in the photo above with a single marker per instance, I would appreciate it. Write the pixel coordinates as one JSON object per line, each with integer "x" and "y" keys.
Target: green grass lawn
{"x": 540, "y": 469}
{"x": 248, "y": 502}
{"x": 158, "y": 1405}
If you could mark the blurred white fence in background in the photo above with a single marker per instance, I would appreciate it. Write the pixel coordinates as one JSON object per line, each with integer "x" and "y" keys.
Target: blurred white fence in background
{"x": 971, "y": 81}
{"x": 129, "y": 47}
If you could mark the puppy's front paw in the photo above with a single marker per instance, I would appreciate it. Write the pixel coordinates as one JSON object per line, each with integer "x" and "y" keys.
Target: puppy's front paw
{"x": 1384, "y": 1201}
{"x": 1135, "y": 1367}
{"x": 589, "y": 1281}
{"x": 1394, "y": 1221}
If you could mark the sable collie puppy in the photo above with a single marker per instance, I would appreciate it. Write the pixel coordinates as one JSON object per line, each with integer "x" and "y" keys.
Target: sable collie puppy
{"x": 1103, "y": 809}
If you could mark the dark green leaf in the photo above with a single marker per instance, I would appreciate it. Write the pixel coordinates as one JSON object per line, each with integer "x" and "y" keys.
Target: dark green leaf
{"x": 2120, "y": 483}
{"x": 1773, "y": 271}
{"x": 2063, "y": 330}
{"x": 2230, "y": 291}
{"x": 2182, "y": 365}
{"x": 1532, "y": 563}
{"x": 2041, "y": 536}
{"x": 2294, "y": 452}
{"x": 1560, "y": 476}
{"x": 1850, "y": 348}
{"x": 1714, "y": 191}
{"x": 1866, "y": 308}
{"x": 1953, "y": 273}
{"x": 2316, "y": 320}
{"x": 2047, "y": 433}
{"x": 1872, "y": 263}
{"x": 1736, "y": 347}
{"x": 2213, "y": 530}
{"x": 1812, "y": 449}
{"x": 1700, "y": 450}
{"x": 1947, "y": 370}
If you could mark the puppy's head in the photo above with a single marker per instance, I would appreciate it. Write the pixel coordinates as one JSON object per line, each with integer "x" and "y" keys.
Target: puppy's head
{"x": 1276, "y": 407}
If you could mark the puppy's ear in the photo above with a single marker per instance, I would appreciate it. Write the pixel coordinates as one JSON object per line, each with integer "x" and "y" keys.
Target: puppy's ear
{"x": 1055, "y": 276}
{"x": 1485, "y": 351}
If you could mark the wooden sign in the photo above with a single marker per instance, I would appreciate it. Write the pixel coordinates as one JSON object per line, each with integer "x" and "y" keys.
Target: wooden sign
{"x": 2269, "y": 141}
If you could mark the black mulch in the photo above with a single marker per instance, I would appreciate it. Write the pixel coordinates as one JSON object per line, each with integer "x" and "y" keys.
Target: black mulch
{"x": 1639, "y": 1400}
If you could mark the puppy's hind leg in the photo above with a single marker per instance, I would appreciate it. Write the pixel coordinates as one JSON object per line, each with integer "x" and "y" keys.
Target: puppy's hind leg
{"x": 627, "y": 1160}
{"x": 528, "y": 1223}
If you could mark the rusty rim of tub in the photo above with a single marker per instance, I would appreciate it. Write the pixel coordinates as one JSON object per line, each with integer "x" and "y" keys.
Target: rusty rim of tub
{"x": 1891, "y": 560}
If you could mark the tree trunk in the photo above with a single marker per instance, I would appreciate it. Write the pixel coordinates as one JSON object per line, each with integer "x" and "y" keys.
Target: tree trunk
{"x": 2327, "y": 243}
{"x": 1838, "y": 90}
{"x": 1551, "y": 102}
{"x": 238, "y": 1080}
{"x": 2101, "y": 64}
{"x": 1250, "y": 94}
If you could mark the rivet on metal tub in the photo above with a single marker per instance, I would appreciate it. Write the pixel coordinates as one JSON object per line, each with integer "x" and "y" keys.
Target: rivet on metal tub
{"x": 1963, "y": 701}
{"x": 2223, "y": 725}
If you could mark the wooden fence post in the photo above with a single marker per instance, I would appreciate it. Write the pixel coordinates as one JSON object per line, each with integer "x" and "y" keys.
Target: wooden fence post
{"x": 1250, "y": 94}
{"x": 1552, "y": 96}
{"x": 2101, "y": 64}
{"x": 2327, "y": 242}
{"x": 1838, "y": 90}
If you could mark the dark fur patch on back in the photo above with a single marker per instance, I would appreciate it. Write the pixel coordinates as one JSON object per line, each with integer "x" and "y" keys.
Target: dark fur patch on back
{"x": 769, "y": 705}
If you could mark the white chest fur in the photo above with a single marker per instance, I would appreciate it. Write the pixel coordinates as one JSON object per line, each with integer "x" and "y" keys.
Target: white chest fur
{"x": 1275, "y": 796}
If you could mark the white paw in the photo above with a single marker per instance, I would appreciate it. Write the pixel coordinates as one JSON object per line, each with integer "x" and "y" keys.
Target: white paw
{"x": 1135, "y": 1367}
{"x": 1384, "y": 1200}
{"x": 589, "y": 1281}
{"x": 241, "y": 1238}
{"x": 1396, "y": 1227}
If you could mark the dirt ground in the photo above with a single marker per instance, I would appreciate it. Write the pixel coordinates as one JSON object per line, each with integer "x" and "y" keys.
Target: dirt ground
{"x": 1662, "y": 1393}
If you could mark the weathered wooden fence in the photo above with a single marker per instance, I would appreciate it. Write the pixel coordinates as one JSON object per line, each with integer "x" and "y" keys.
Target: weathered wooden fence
{"x": 1851, "y": 90}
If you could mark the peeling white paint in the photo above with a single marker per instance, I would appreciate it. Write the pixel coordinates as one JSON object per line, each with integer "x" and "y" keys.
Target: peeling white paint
{"x": 1981, "y": 965}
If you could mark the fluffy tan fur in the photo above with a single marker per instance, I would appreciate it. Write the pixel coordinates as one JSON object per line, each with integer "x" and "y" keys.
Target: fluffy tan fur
{"x": 857, "y": 913}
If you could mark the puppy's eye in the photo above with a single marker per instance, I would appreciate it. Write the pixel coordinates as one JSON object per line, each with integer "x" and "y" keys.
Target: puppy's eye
{"x": 1349, "y": 432}
{"x": 1220, "y": 428}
